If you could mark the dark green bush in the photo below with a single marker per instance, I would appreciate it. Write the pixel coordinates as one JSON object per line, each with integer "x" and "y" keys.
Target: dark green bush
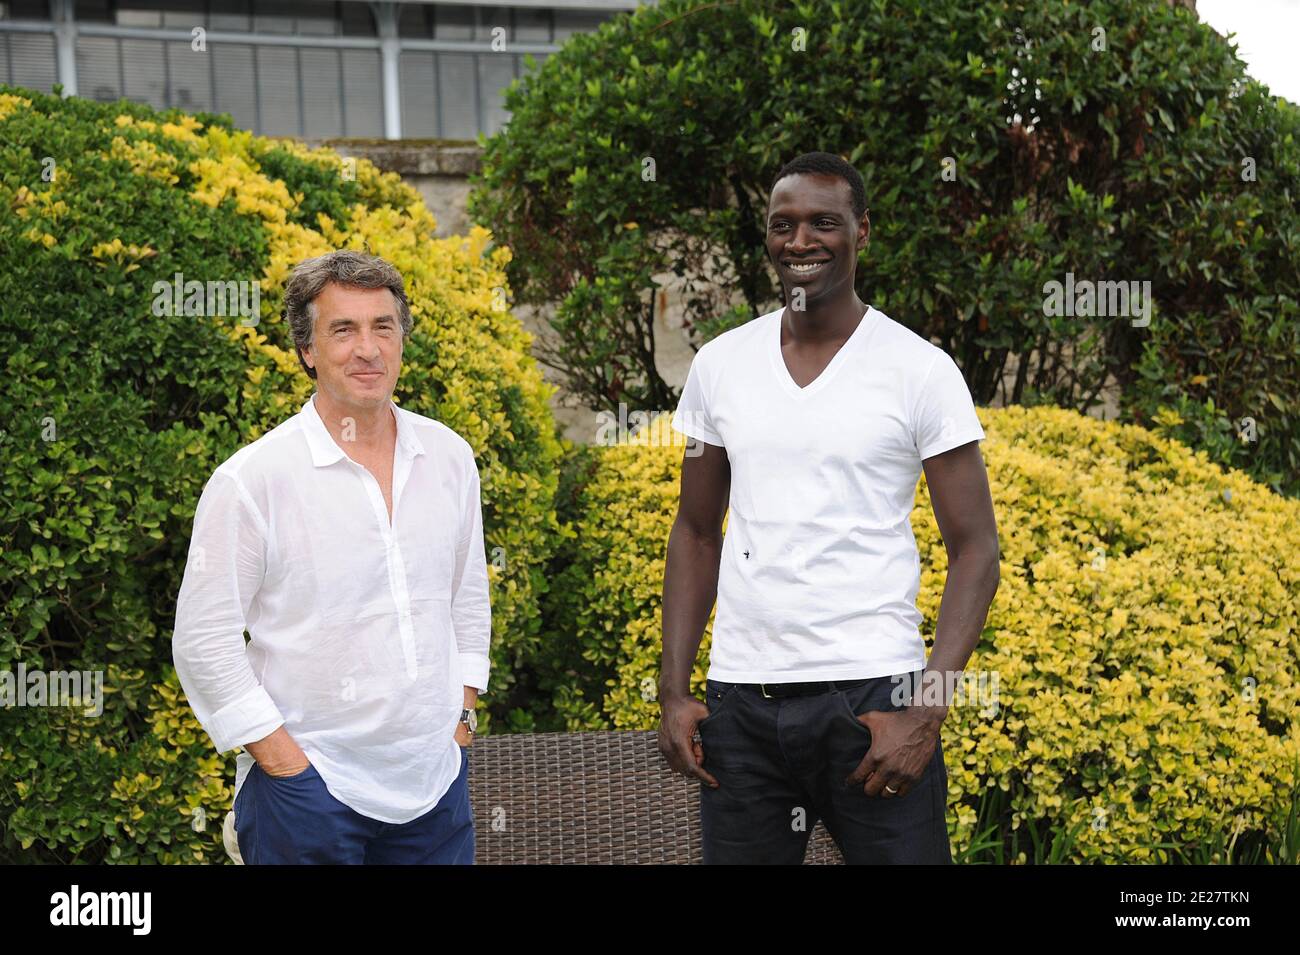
{"x": 1122, "y": 163}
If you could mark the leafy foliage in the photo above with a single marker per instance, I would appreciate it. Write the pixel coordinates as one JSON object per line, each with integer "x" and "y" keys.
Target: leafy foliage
{"x": 1004, "y": 144}
{"x": 116, "y": 416}
{"x": 1136, "y": 692}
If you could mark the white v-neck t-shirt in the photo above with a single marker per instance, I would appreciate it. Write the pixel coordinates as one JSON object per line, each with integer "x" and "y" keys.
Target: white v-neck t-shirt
{"x": 820, "y": 570}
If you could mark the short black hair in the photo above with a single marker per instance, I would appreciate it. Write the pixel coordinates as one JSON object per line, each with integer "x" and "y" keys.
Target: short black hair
{"x": 831, "y": 165}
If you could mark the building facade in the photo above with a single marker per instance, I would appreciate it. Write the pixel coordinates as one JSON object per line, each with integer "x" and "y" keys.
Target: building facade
{"x": 314, "y": 69}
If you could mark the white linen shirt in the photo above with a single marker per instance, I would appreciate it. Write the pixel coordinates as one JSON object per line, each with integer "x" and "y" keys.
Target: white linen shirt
{"x": 362, "y": 635}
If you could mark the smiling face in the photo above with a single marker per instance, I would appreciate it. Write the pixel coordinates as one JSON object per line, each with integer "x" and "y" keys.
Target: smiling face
{"x": 813, "y": 237}
{"x": 356, "y": 346}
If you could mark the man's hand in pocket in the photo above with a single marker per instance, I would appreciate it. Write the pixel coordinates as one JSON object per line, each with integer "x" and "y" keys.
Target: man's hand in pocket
{"x": 278, "y": 754}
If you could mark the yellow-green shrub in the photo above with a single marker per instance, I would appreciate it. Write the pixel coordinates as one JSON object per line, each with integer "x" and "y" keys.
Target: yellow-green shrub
{"x": 1144, "y": 635}
{"x": 114, "y": 417}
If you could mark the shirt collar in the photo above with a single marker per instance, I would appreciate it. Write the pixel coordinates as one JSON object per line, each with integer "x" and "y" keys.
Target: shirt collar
{"x": 325, "y": 450}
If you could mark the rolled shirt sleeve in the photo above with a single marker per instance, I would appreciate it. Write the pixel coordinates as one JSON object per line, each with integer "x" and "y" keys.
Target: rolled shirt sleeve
{"x": 226, "y": 564}
{"x": 945, "y": 415}
{"x": 471, "y": 609}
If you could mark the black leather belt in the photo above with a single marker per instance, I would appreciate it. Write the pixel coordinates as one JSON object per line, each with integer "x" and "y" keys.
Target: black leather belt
{"x": 778, "y": 691}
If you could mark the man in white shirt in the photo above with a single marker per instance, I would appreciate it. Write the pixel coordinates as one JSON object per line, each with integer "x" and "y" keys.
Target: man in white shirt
{"x": 348, "y": 542}
{"x": 813, "y": 423}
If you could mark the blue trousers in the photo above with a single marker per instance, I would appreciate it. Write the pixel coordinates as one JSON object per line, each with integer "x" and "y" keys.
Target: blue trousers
{"x": 293, "y": 820}
{"x": 780, "y": 766}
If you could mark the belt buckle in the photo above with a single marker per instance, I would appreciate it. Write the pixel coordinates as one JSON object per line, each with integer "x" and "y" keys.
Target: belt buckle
{"x": 763, "y": 689}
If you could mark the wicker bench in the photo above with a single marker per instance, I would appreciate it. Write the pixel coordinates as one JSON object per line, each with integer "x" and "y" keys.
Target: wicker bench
{"x": 583, "y": 799}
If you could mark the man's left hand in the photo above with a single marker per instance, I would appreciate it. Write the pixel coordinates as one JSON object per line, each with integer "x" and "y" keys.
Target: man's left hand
{"x": 463, "y": 735}
{"x": 902, "y": 743}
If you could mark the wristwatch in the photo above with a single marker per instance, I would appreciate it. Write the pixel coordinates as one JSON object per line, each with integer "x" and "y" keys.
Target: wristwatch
{"x": 470, "y": 719}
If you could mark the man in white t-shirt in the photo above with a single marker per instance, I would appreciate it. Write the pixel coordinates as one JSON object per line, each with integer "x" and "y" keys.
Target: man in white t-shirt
{"x": 813, "y": 422}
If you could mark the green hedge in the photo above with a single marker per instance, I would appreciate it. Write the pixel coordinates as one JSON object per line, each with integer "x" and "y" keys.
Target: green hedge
{"x": 115, "y": 417}
{"x": 1143, "y": 640}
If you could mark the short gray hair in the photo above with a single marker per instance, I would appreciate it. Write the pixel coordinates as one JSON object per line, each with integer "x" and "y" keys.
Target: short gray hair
{"x": 346, "y": 267}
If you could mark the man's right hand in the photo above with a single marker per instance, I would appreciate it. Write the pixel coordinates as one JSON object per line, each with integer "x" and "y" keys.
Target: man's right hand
{"x": 690, "y": 590}
{"x": 679, "y": 719}
{"x": 278, "y": 754}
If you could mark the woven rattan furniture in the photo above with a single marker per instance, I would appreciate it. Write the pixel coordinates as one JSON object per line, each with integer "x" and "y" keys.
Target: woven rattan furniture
{"x": 588, "y": 798}
{"x": 583, "y": 799}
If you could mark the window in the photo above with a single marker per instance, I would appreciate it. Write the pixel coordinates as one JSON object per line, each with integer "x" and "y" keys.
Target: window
{"x": 25, "y": 10}
{"x": 455, "y": 95}
{"x": 569, "y": 22}
{"x": 27, "y": 59}
{"x": 234, "y": 16}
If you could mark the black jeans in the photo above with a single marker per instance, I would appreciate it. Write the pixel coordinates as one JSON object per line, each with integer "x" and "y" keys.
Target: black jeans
{"x": 780, "y": 766}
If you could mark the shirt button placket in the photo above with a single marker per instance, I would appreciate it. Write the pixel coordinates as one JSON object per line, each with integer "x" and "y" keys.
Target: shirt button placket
{"x": 396, "y": 572}
{"x": 402, "y": 599}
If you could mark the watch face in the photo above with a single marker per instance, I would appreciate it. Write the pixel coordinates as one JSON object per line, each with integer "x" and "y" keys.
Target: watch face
{"x": 472, "y": 720}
